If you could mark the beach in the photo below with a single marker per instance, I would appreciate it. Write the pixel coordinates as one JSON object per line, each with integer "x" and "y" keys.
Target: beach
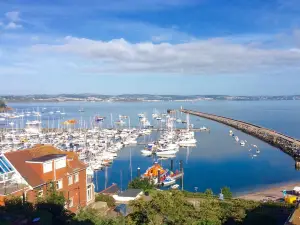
{"x": 273, "y": 193}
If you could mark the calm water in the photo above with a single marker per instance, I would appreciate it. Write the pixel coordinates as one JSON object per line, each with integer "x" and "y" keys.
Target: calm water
{"x": 217, "y": 160}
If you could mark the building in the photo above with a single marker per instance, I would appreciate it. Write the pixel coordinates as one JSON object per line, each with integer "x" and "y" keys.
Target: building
{"x": 28, "y": 173}
{"x": 111, "y": 190}
{"x": 128, "y": 195}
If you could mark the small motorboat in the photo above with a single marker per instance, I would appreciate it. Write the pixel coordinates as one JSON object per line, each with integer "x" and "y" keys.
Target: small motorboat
{"x": 146, "y": 152}
{"x": 168, "y": 152}
{"x": 242, "y": 143}
{"x": 257, "y": 151}
{"x": 175, "y": 186}
{"x": 236, "y": 138}
{"x": 230, "y": 132}
{"x": 168, "y": 181}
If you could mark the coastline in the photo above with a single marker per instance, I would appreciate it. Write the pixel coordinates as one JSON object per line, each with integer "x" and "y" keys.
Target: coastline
{"x": 272, "y": 192}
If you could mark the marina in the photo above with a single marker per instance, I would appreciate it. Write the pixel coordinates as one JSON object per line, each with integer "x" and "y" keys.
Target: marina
{"x": 114, "y": 151}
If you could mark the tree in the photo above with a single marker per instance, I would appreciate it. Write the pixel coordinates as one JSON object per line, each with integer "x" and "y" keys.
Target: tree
{"x": 226, "y": 192}
{"x": 141, "y": 183}
{"x": 208, "y": 192}
{"x": 54, "y": 203}
{"x": 15, "y": 205}
{"x": 2, "y": 104}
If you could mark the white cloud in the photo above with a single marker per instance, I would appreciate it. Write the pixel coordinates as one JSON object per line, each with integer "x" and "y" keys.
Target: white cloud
{"x": 13, "y": 16}
{"x": 208, "y": 57}
{"x": 13, "y": 25}
{"x": 1, "y": 24}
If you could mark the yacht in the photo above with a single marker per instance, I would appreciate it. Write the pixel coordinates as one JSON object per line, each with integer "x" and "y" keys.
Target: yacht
{"x": 165, "y": 152}
{"x": 242, "y": 143}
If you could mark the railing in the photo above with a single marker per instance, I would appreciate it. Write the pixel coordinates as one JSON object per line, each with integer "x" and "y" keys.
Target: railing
{"x": 6, "y": 176}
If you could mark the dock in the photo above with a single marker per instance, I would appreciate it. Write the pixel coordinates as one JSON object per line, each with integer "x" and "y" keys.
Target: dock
{"x": 287, "y": 144}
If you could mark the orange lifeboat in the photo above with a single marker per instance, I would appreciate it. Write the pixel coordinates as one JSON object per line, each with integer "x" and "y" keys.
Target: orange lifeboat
{"x": 153, "y": 170}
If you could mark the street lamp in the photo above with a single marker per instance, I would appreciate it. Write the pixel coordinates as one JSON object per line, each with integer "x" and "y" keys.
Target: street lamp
{"x": 196, "y": 189}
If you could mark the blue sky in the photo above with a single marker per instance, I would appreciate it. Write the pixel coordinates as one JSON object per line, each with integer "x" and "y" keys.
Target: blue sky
{"x": 236, "y": 47}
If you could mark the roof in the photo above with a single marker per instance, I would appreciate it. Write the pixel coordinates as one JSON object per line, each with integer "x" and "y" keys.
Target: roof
{"x": 46, "y": 158}
{"x": 111, "y": 189}
{"x": 28, "y": 172}
{"x": 130, "y": 193}
{"x": 123, "y": 209}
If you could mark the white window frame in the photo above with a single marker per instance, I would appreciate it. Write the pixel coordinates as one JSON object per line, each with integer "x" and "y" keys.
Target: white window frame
{"x": 89, "y": 189}
{"x": 71, "y": 202}
{"x": 76, "y": 177}
{"x": 57, "y": 184}
{"x": 70, "y": 180}
{"x": 60, "y": 163}
{"x": 46, "y": 167}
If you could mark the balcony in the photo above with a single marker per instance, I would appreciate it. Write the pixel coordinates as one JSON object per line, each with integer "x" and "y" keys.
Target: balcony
{"x": 9, "y": 187}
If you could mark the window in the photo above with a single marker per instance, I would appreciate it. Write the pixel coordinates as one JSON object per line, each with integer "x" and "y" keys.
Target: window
{"x": 71, "y": 203}
{"x": 59, "y": 184}
{"x": 70, "y": 180}
{"x": 76, "y": 177}
{"x": 60, "y": 163}
{"x": 47, "y": 167}
{"x": 89, "y": 193}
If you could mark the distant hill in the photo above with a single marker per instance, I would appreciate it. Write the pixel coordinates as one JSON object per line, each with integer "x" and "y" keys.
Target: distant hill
{"x": 139, "y": 97}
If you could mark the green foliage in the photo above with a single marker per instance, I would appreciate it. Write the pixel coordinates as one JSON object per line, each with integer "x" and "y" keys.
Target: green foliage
{"x": 16, "y": 205}
{"x": 2, "y": 104}
{"x": 54, "y": 203}
{"x": 91, "y": 216}
{"x": 54, "y": 196}
{"x": 105, "y": 198}
{"x": 173, "y": 207}
{"x": 140, "y": 183}
{"x": 209, "y": 192}
{"x": 164, "y": 208}
{"x": 226, "y": 192}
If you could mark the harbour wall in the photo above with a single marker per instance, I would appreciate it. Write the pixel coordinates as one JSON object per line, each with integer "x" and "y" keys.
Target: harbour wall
{"x": 287, "y": 144}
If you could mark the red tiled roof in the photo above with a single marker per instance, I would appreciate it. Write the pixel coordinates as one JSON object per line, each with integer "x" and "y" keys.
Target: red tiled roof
{"x": 18, "y": 160}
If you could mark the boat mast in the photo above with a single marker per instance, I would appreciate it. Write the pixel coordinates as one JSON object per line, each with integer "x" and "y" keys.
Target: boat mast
{"x": 188, "y": 121}
{"x": 130, "y": 165}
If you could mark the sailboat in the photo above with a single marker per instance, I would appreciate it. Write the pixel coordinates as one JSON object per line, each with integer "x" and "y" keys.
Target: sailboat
{"x": 63, "y": 113}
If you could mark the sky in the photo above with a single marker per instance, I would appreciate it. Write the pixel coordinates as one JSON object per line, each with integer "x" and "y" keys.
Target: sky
{"x": 235, "y": 47}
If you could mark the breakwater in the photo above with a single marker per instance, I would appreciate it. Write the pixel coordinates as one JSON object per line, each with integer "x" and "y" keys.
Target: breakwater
{"x": 287, "y": 144}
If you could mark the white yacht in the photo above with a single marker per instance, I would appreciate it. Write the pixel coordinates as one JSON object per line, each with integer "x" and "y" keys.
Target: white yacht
{"x": 236, "y": 138}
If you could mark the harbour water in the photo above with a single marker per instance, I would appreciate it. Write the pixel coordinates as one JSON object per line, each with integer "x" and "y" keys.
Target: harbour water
{"x": 217, "y": 161}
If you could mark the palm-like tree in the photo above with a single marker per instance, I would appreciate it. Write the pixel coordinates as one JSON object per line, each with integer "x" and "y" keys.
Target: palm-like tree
{"x": 3, "y": 105}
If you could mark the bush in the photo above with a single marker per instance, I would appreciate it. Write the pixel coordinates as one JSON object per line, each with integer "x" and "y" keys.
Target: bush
{"x": 209, "y": 192}
{"x": 91, "y": 216}
{"x": 16, "y": 205}
{"x": 140, "y": 183}
{"x": 226, "y": 192}
{"x": 106, "y": 198}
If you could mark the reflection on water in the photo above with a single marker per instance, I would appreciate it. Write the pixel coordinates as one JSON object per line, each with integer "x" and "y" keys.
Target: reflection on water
{"x": 217, "y": 160}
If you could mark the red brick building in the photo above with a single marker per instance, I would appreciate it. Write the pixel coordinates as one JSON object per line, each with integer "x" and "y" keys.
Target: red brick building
{"x": 29, "y": 172}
